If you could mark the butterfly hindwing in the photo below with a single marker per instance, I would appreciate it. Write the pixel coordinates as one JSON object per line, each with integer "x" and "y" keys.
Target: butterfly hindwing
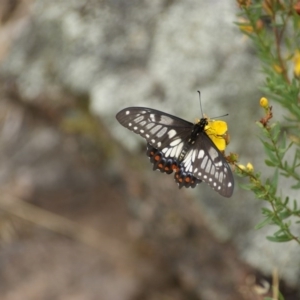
{"x": 207, "y": 163}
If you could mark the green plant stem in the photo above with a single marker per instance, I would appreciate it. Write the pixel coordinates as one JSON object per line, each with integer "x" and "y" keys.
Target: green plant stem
{"x": 279, "y": 160}
{"x": 272, "y": 200}
{"x": 283, "y": 226}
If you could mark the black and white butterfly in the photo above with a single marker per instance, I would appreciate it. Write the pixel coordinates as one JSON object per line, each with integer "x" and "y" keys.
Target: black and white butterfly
{"x": 174, "y": 144}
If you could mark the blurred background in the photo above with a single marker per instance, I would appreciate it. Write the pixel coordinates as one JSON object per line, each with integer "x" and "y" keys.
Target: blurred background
{"x": 82, "y": 214}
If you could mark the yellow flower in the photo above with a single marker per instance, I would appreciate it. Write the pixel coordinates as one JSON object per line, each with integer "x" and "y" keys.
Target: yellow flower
{"x": 242, "y": 167}
{"x": 249, "y": 167}
{"x": 264, "y": 102}
{"x": 217, "y": 132}
{"x": 297, "y": 63}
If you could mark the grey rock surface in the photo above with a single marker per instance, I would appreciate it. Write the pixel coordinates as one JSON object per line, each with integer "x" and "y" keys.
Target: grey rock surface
{"x": 155, "y": 54}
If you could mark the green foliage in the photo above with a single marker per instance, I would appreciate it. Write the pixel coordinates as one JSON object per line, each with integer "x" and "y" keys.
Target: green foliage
{"x": 274, "y": 28}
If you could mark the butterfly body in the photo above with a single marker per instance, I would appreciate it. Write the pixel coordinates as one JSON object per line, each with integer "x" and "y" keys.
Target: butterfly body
{"x": 176, "y": 145}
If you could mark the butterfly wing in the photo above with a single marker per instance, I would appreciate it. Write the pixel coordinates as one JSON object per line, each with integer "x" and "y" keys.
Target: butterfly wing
{"x": 161, "y": 130}
{"x": 208, "y": 164}
{"x": 170, "y": 135}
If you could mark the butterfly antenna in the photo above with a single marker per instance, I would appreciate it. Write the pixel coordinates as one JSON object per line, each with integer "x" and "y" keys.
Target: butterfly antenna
{"x": 218, "y": 117}
{"x": 200, "y": 103}
{"x": 202, "y": 110}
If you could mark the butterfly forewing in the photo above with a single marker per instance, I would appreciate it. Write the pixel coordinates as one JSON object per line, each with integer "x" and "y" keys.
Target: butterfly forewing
{"x": 207, "y": 163}
{"x": 163, "y": 131}
{"x": 195, "y": 154}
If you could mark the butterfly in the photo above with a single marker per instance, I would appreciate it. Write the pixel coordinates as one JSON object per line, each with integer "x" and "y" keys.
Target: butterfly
{"x": 176, "y": 145}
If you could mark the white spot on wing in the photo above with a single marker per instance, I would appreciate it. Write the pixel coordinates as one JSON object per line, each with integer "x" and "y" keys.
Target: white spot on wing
{"x": 155, "y": 129}
{"x": 187, "y": 159}
{"x": 175, "y": 142}
{"x": 172, "y": 133}
{"x": 169, "y": 152}
{"x": 138, "y": 119}
{"x": 213, "y": 153}
{"x": 221, "y": 177}
{"x": 127, "y": 112}
{"x": 207, "y": 169}
{"x": 152, "y": 117}
{"x": 129, "y": 124}
{"x": 158, "y": 144}
{"x": 179, "y": 149}
{"x": 161, "y": 132}
{"x": 187, "y": 165}
{"x": 219, "y": 163}
{"x": 173, "y": 153}
{"x": 149, "y": 126}
{"x": 204, "y": 161}
{"x": 194, "y": 156}
{"x": 201, "y": 154}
